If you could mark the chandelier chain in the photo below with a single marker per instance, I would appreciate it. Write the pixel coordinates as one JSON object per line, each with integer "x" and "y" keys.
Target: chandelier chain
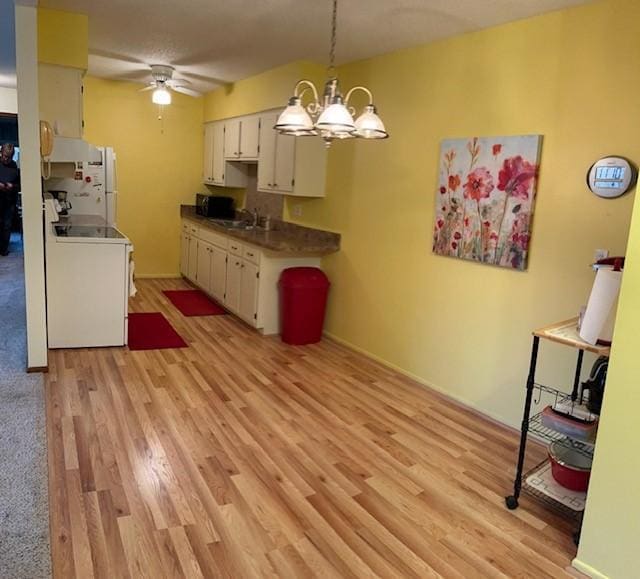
{"x": 334, "y": 26}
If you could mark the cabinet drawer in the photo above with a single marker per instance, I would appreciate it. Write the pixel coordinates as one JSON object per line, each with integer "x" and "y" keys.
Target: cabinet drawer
{"x": 214, "y": 238}
{"x": 251, "y": 254}
{"x": 235, "y": 247}
{"x": 185, "y": 226}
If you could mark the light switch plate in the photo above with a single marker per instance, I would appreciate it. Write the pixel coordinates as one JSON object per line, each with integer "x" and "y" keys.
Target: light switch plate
{"x": 600, "y": 254}
{"x": 297, "y": 210}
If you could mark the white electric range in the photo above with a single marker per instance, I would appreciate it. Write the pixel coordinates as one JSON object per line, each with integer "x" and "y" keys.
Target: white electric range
{"x": 88, "y": 266}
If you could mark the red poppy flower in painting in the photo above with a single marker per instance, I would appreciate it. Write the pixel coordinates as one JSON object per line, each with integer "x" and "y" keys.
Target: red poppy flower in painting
{"x": 479, "y": 184}
{"x": 457, "y": 236}
{"x": 496, "y": 150}
{"x": 440, "y": 223}
{"x": 466, "y": 221}
{"x": 454, "y": 182}
{"x": 454, "y": 245}
{"x": 516, "y": 176}
{"x": 443, "y": 190}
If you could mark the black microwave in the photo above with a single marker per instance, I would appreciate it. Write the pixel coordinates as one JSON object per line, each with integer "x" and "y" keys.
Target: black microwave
{"x": 214, "y": 206}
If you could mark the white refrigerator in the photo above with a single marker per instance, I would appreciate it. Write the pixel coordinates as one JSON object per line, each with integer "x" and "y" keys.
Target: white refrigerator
{"x": 91, "y": 186}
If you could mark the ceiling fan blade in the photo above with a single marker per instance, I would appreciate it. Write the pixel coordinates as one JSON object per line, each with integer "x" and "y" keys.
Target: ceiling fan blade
{"x": 185, "y": 90}
{"x": 179, "y": 82}
{"x": 150, "y": 87}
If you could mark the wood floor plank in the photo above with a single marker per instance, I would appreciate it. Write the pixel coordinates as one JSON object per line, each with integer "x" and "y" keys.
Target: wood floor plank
{"x": 243, "y": 457}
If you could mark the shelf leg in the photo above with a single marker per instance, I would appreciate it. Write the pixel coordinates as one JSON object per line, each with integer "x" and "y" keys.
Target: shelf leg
{"x": 576, "y": 379}
{"x": 517, "y": 485}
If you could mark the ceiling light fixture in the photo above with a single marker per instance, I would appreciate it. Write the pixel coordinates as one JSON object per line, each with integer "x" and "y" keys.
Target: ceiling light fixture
{"x": 333, "y": 117}
{"x": 161, "y": 96}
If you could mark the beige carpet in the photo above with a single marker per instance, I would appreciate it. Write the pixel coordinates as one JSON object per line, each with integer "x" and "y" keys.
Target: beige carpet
{"x": 24, "y": 507}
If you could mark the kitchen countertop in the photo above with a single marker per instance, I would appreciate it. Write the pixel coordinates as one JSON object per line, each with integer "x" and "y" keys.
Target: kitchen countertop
{"x": 284, "y": 237}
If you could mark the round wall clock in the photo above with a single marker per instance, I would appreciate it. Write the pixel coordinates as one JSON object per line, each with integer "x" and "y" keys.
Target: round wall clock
{"x": 611, "y": 177}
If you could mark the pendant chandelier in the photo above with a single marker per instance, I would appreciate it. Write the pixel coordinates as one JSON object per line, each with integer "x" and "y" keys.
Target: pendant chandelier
{"x": 331, "y": 118}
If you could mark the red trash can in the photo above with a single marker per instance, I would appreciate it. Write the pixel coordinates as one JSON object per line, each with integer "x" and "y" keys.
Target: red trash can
{"x": 303, "y": 300}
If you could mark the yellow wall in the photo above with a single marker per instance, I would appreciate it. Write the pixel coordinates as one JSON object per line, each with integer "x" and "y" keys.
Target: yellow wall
{"x": 159, "y": 164}
{"x": 264, "y": 91}
{"x": 465, "y": 328}
{"x": 611, "y": 529}
{"x": 63, "y": 38}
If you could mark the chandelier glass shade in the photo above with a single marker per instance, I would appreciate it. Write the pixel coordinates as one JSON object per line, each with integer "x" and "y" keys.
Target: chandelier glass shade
{"x": 330, "y": 117}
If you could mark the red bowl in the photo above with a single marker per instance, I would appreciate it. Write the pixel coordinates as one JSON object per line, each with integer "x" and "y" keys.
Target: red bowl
{"x": 569, "y": 468}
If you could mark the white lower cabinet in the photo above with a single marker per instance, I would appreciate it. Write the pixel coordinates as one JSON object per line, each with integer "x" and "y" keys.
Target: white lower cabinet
{"x": 203, "y": 274}
{"x": 184, "y": 254}
{"x": 242, "y": 277}
{"x": 234, "y": 281}
{"x": 192, "y": 264}
{"x": 218, "y": 273}
{"x": 248, "y": 309}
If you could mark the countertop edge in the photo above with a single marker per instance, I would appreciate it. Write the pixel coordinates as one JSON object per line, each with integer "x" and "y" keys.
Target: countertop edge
{"x": 288, "y": 245}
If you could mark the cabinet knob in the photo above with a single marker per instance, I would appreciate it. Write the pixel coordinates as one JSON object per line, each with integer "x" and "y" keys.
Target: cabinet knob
{"x": 269, "y": 185}
{"x": 275, "y": 184}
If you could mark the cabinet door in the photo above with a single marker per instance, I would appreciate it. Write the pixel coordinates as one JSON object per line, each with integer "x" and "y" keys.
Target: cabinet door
{"x": 234, "y": 280}
{"x": 217, "y": 146}
{"x": 266, "y": 157}
{"x": 60, "y": 92}
{"x": 184, "y": 254}
{"x": 249, "y": 137}
{"x": 207, "y": 166}
{"x": 284, "y": 165}
{"x": 204, "y": 265}
{"x": 192, "y": 271}
{"x": 218, "y": 273}
{"x": 249, "y": 293}
{"x": 232, "y": 139}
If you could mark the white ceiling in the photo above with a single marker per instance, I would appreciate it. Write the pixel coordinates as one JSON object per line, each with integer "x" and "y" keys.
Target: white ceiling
{"x": 7, "y": 44}
{"x": 216, "y": 41}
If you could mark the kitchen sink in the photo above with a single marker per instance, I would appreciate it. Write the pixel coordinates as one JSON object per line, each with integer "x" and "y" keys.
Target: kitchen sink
{"x": 232, "y": 223}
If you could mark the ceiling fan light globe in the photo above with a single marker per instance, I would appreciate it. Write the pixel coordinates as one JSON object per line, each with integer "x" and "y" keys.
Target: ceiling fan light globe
{"x": 369, "y": 125}
{"x": 161, "y": 96}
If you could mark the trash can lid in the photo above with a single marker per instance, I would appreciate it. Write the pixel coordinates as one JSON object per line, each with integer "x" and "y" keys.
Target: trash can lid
{"x": 304, "y": 277}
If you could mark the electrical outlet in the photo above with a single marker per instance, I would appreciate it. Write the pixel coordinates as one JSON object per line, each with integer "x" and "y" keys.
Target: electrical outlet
{"x": 297, "y": 210}
{"x": 600, "y": 254}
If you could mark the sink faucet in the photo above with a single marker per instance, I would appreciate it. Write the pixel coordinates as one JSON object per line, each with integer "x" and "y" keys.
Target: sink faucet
{"x": 256, "y": 218}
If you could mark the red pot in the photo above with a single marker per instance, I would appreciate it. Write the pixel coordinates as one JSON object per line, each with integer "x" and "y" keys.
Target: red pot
{"x": 569, "y": 467}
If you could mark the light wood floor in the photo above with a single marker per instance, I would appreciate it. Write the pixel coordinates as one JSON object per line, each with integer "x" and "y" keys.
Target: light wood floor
{"x": 243, "y": 457}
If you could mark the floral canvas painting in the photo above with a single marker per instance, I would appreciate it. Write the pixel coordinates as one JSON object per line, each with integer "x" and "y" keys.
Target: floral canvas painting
{"x": 485, "y": 199}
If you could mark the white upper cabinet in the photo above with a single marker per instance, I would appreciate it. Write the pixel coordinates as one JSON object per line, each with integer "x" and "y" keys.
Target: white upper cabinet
{"x": 266, "y": 159}
{"x": 60, "y": 98}
{"x": 290, "y": 165}
{"x": 242, "y": 137}
{"x": 286, "y": 165}
{"x": 276, "y": 163}
{"x": 207, "y": 166}
{"x": 216, "y": 171}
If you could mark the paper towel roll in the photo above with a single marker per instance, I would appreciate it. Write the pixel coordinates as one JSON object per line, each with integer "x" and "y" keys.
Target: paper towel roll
{"x": 600, "y": 314}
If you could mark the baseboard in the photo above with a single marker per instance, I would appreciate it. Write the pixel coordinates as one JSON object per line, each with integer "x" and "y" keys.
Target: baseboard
{"x": 435, "y": 388}
{"x": 158, "y": 276}
{"x": 37, "y": 369}
{"x": 587, "y": 570}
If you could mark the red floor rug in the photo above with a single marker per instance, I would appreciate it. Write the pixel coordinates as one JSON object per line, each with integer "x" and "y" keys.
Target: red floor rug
{"x": 193, "y": 303}
{"x": 152, "y": 332}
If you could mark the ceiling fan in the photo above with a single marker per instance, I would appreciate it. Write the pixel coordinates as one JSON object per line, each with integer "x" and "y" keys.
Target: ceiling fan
{"x": 163, "y": 83}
